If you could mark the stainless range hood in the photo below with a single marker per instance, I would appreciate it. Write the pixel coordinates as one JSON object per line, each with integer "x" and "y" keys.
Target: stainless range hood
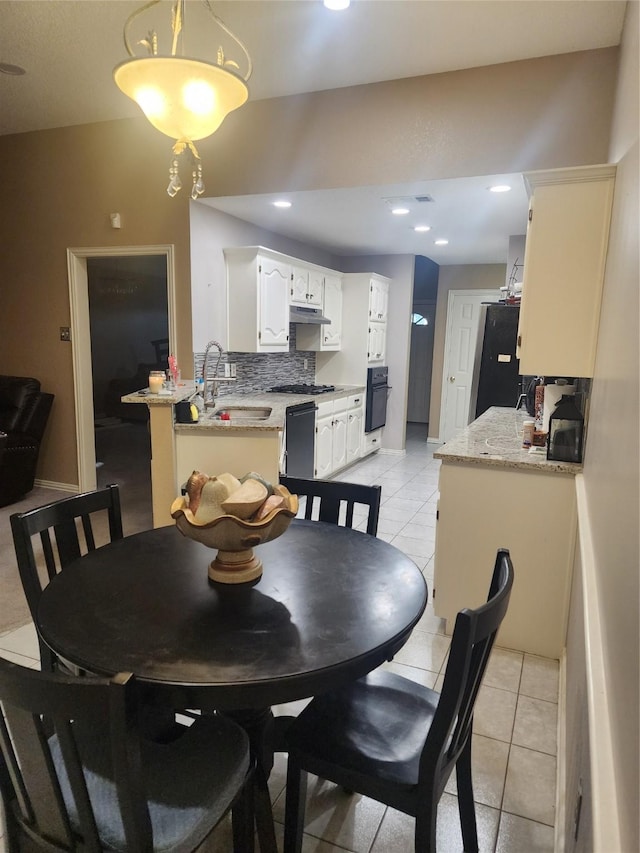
{"x": 301, "y": 314}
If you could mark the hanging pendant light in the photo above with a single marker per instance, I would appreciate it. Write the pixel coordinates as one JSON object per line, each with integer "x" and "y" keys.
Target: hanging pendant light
{"x": 183, "y": 97}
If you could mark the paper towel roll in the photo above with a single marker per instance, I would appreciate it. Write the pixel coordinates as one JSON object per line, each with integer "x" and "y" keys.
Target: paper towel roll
{"x": 552, "y": 395}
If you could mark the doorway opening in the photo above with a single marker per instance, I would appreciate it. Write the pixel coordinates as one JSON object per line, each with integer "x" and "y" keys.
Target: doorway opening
{"x": 123, "y": 310}
{"x": 423, "y": 316}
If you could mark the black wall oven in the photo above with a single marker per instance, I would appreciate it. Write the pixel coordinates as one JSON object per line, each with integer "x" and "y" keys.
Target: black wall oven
{"x": 376, "y": 401}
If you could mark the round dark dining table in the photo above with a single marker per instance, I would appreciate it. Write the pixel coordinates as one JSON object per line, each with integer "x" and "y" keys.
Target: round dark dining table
{"x": 331, "y": 605}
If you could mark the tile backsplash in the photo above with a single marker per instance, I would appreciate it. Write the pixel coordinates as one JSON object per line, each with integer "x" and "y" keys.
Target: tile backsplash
{"x": 256, "y": 372}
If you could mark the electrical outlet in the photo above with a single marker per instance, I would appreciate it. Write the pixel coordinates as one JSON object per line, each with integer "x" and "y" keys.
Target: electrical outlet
{"x": 65, "y": 333}
{"x": 306, "y": 363}
{"x": 233, "y": 369}
{"x": 227, "y": 369}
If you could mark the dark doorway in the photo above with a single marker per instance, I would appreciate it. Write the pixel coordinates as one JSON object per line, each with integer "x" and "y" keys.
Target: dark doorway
{"x": 128, "y": 316}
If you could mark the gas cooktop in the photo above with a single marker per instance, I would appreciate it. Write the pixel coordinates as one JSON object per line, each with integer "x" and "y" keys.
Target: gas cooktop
{"x": 303, "y": 389}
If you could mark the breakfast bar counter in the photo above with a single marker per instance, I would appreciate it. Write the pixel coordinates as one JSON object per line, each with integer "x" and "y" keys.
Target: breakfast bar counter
{"x": 495, "y": 440}
{"x": 239, "y": 444}
{"x": 495, "y": 494}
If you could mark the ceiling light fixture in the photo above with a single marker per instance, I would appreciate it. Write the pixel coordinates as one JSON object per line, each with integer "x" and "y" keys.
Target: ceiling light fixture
{"x": 399, "y": 211}
{"x": 500, "y": 188}
{"x": 441, "y": 242}
{"x": 421, "y": 228}
{"x": 282, "y": 203}
{"x": 336, "y": 5}
{"x": 183, "y": 97}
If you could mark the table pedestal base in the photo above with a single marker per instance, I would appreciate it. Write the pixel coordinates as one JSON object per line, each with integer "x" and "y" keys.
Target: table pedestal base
{"x": 235, "y": 567}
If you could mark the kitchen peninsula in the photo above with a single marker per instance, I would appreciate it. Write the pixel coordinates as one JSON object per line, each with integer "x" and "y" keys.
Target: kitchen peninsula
{"x": 495, "y": 494}
{"x": 238, "y": 445}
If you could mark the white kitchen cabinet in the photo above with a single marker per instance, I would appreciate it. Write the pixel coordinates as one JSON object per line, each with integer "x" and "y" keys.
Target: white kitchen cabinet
{"x": 482, "y": 509}
{"x": 371, "y": 442}
{"x": 334, "y": 434}
{"x": 307, "y": 287}
{"x": 257, "y": 300}
{"x": 324, "y": 439}
{"x": 355, "y": 427}
{"x": 564, "y": 263}
{"x": 376, "y": 343}
{"x": 332, "y": 310}
{"x": 325, "y": 337}
{"x": 339, "y": 447}
{"x": 363, "y": 341}
{"x": 378, "y": 299}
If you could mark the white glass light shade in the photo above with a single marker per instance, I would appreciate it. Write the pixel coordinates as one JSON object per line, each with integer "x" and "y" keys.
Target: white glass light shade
{"x": 182, "y": 98}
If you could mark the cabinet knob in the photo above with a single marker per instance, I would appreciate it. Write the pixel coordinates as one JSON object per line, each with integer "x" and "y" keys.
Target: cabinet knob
{"x": 519, "y": 340}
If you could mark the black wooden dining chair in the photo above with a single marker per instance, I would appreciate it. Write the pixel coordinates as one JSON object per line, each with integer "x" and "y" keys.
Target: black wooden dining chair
{"x": 336, "y": 497}
{"x": 67, "y": 530}
{"x": 396, "y": 741}
{"x": 82, "y": 778}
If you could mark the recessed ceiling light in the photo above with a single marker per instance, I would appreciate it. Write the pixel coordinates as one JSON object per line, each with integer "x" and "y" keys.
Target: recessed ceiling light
{"x": 422, "y": 228}
{"x": 500, "y": 188}
{"x": 441, "y": 242}
{"x": 282, "y": 203}
{"x": 337, "y": 5}
{"x": 399, "y": 211}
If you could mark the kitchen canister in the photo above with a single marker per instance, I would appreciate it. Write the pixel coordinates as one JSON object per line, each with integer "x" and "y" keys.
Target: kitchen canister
{"x": 566, "y": 431}
{"x": 552, "y": 395}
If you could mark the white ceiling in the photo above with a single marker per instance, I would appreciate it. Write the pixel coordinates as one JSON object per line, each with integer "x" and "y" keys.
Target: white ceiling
{"x": 69, "y": 49}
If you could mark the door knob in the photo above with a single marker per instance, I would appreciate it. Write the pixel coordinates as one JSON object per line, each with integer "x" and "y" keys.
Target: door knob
{"x": 452, "y": 379}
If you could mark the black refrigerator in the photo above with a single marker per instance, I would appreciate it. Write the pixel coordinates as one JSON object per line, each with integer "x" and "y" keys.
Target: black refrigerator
{"x": 495, "y": 380}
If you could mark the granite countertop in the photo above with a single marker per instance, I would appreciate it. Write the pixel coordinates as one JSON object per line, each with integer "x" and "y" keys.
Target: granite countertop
{"x": 495, "y": 440}
{"x": 278, "y": 403}
{"x": 184, "y": 390}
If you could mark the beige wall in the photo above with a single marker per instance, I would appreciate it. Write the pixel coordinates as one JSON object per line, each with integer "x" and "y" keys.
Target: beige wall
{"x": 59, "y": 186}
{"x": 469, "y": 277}
{"x": 611, "y": 471}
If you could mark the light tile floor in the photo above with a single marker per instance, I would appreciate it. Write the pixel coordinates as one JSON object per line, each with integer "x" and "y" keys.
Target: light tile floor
{"x": 514, "y": 745}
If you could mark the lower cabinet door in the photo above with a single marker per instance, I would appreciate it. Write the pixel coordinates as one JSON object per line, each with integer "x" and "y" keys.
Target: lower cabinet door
{"x": 324, "y": 447}
{"x": 339, "y": 453}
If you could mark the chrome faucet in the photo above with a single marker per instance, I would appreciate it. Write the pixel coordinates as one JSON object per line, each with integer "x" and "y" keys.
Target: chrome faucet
{"x": 210, "y": 399}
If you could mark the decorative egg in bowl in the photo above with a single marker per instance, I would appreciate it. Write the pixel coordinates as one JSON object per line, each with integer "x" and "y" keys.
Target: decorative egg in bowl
{"x": 233, "y": 516}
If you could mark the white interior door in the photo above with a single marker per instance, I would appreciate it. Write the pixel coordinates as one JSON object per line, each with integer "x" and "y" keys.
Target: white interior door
{"x": 463, "y": 310}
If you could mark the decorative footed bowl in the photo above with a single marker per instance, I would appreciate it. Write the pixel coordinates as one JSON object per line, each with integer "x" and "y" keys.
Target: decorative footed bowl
{"x": 235, "y": 538}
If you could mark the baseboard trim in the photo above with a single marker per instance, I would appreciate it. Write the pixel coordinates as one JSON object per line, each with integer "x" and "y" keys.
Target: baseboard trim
{"x": 561, "y": 758}
{"x": 61, "y": 487}
{"x": 387, "y": 451}
{"x": 604, "y": 793}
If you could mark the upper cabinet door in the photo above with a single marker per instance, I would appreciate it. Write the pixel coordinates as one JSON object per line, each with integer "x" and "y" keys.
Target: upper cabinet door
{"x": 378, "y": 300}
{"x": 273, "y": 334}
{"x": 315, "y": 289}
{"x": 306, "y": 287}
{"x": 299, "y": 291}
{"x": 332, "y": 333}
{"x": 564, "y": 263}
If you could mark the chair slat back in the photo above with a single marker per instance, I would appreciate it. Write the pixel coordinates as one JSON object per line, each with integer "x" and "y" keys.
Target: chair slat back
{"x": 43, "y": 718}
{"x": 58, "y": 526}
{"x": 334, "y": 497}
{"x": 471, "y": 644}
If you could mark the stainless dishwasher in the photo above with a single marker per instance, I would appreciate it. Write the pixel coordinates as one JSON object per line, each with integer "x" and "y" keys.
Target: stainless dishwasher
{"x": 299, "y": 437}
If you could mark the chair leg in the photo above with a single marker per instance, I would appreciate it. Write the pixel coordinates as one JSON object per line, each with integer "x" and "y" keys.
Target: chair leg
{"x": 295, "y": 807}
{"x": 425, "y": 834}
{"x": 466, "y": 805}
{"x": 243, "y": 821}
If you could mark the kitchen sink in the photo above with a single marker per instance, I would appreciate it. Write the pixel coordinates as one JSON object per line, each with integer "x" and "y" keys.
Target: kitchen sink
{"x": 243, "y": 413}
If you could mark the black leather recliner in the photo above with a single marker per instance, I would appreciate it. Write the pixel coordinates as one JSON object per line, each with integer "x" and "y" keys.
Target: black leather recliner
{"x": 24, "y": 411}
